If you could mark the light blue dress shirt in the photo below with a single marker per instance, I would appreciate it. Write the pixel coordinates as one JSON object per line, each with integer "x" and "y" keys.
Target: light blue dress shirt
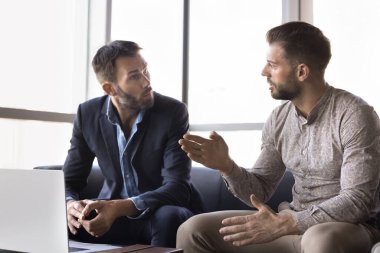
{"x": 130, "y": 187}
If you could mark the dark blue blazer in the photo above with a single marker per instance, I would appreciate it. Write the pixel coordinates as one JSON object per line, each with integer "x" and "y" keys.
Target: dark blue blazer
{"x": 162, "y": 167}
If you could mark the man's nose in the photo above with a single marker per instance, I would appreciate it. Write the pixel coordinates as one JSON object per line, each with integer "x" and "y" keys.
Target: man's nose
{"x": 146, "y": 81}
{"x": 264, "y": 71}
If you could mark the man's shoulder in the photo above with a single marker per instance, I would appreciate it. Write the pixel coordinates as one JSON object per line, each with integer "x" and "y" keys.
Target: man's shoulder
{"x": 344, "y": 100}
{"x": 347, "y": 99}
{"x": 163, "y": 102}
{"x": 95, "y": 101}
{"x": 94, "y": 104}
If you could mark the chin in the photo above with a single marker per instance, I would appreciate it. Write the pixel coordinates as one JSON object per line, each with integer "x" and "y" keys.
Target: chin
{"x": 148, "y": 103}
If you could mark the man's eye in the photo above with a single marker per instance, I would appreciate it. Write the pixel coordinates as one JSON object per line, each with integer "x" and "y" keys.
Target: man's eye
{"x": 135, "y": 77}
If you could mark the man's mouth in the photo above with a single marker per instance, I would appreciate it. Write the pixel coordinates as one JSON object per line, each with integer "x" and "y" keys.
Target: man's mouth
{"x": 147, "y": 92}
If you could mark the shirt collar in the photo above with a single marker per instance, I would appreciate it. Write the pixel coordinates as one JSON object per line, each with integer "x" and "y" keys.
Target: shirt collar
{"x": 319, "y": 107}
{"x": 112, "y": 114}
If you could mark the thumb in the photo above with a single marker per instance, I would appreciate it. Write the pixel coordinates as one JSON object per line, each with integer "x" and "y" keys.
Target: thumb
{"x": 215, "y": 136}
{"x": 256, "y": 202}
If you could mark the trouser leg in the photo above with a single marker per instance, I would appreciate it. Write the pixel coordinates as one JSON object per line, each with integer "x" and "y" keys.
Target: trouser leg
{"x": 164, "y": 224}
{"x": 336, "y": 237}
{"x": 200, "y": 234}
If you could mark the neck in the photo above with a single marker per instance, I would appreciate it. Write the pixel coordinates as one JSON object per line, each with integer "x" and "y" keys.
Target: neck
{"x": 127, "y": 115}
{"x": 309, "y": 97}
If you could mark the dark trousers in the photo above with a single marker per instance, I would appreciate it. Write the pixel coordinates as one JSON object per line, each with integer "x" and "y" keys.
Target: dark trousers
{"x": 158, "y": 228}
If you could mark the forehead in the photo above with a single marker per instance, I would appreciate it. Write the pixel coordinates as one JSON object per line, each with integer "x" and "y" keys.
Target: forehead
{"x": 130, "y": 63}
{"x": 276, "y": 53}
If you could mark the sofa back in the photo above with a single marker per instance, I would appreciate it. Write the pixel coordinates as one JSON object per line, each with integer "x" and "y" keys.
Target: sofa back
{"x": 210, "y": 184}
{"x": 217, "y": 197}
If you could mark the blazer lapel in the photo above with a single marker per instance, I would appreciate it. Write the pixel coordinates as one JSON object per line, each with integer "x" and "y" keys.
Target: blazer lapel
{"x": 109, "y": 137}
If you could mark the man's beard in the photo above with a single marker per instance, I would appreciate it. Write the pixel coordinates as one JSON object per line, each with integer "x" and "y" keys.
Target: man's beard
{"x": 290, "y": 90}
{"x": 128, "y": 101}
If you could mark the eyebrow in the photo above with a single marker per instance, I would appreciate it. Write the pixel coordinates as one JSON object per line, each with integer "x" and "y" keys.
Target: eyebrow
{"x": 136, "y": 70}
{"x": 133, "y": 71}
{"x": 272, "y": 62}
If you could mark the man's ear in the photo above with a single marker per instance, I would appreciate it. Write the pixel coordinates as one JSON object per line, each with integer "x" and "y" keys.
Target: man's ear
{"x": 108, "y": 88}
{"x": 303, "y": 72}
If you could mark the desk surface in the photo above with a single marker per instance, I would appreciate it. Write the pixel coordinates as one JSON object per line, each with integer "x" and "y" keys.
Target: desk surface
{"x": 139, "y": 248}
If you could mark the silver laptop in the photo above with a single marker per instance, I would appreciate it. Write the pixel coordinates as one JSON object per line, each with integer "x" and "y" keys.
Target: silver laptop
{"x": 33, "y": 211}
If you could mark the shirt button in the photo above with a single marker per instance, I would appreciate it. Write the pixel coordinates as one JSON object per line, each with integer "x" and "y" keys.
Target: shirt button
{"x": 304, "y": 152}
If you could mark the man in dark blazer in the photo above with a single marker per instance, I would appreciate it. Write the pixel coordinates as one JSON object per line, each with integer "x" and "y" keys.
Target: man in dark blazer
{"x": 133, "y": 132}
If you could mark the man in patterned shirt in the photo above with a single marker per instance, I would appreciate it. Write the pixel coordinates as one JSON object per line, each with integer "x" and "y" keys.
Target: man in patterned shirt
{"x": 328, "y": 138}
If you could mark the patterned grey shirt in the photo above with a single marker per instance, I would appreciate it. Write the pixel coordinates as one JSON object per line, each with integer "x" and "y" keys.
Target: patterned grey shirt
{"x": 334, "y": 155}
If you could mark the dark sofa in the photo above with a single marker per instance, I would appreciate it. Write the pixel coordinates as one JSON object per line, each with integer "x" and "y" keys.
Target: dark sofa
{"x": 210, "y": 184}
{"x": 212, "y": 188}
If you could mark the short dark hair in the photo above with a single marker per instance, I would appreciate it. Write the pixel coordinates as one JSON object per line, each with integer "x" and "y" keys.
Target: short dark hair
{"x": 104, "y": 60}
{"x": 302, "y": 43}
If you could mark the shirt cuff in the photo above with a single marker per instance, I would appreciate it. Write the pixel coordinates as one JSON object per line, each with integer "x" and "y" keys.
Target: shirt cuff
{"x": 140, "y": 205}
{"x": 305, "y": 219}
{"x": 68, "y": 198}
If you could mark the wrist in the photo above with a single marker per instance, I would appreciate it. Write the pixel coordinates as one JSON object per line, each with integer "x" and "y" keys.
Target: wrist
{"x": 287, "y": 224}
{"x": 227, "y": 167}
{"x": 124, "y": 207}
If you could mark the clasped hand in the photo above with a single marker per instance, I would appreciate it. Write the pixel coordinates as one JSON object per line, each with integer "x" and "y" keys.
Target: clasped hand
{"x": 78, "y": 213}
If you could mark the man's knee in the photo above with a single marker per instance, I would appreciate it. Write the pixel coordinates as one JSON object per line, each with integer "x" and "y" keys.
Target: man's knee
{"x": 321, "y": 234}
{"x": 190, "y": 226}
{"x": 335, "y": 237}
{"x": 172, "y": 215}
{"x": 195, "y": 229}
{"x": 165, "y": 222}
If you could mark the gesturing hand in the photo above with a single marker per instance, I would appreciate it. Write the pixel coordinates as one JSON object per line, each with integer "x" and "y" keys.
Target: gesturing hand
{"x": 261, "y": 227}
{"x": 212, "y": 153}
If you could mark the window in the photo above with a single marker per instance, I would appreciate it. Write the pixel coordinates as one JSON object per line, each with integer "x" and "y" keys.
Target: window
{"x": 352, "y": 28}
{"x": 157, "y": 27}
{"x": 41, "y": 55}
{"x": 227, "y": 53}
{"x": 43, "y": 61}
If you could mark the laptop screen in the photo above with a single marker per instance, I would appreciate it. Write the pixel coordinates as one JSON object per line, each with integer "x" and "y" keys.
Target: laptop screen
{"x": 33, "y": 211}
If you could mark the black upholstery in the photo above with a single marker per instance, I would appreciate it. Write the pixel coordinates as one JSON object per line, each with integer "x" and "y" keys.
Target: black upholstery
{"x": 210, "y": 184}
{"x": 217, "y": 197}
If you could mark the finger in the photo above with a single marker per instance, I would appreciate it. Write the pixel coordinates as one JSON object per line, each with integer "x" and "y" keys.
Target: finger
{"x": 93, "y": 227}
{"x": 72, "y": 229}
{"x": 86, "y": 225}
{"x": 244, "y": 242}
{"x": 236, "y": 237}
{"x": 215, "y": 136}
{"x": 88, "y": 201}
{"x": 256, "y": 202}
{"x": 229, "y": 230}
{"x": 92, "y": 205}
{"x": 75, "y": 212}
{"x": 237, "y": 220}
{"x": 194, "y": 138}
{"x": 197, "y": 158}
{"x": 191, "y": 150}
{"x": 73, "y": 222}
{"x": 259, "y": 204}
